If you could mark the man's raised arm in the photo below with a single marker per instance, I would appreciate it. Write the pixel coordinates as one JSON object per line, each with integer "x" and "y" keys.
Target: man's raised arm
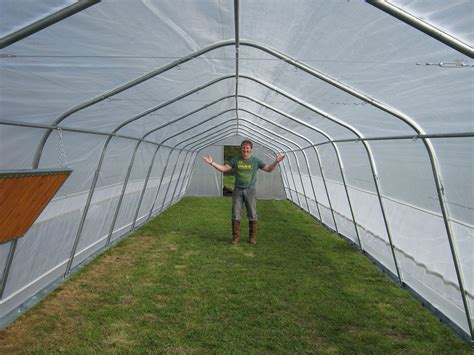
{"x": 270, "y": 167}
{"x": 222, "y": 168}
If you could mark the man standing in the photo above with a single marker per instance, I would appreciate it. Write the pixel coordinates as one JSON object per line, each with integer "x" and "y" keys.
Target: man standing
{"x": 245, "y": 168}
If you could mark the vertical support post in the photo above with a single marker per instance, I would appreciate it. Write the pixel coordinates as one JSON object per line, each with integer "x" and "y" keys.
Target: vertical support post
{"x": 341, "y": 168}
{"x": 159, "y": 185}
{"x": 187, "y": 173}
{"x": 179, "y": 178}
{"x": 325, "y": 188}
{"x": 122, "y": 194}
{"x": 169, "y": 184}
{"x": 150, "y": 168}
{"x": 373, "y": 169}
{"x": 6, "y": 270}
{"x": 302, "y": 182}
{"x": 444, "y": 209}
{"x": 86, "y": 207}
{"x": 188, "y": 182}
{"x": 312, "y": 185}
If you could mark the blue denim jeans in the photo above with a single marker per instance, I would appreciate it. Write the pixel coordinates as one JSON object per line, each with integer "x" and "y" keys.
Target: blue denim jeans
{"x": 248, "y": 197}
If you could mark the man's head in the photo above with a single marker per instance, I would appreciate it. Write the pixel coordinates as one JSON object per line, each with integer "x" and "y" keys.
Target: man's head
{"x": 246, "y": 148}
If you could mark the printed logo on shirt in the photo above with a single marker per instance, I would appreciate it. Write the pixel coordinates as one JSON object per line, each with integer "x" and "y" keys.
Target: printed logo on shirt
{"x": 242, "y": 165}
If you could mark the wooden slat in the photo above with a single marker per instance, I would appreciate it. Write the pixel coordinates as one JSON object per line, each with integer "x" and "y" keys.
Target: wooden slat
{"x": 22, "y": 199}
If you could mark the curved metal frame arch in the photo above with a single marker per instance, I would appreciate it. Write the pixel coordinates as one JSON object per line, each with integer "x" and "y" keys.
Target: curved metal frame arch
{"x": 330, "y": 141}
{"x": 412, "y": 124}
{"x": 427, "y": 143}
{"x": 283, "y": 173}
{"x": 164, "y": 170}
{"x": 284, "y": 176}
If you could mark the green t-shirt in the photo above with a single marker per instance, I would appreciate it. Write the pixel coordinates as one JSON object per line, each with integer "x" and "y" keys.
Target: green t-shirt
{"x": 245, "y": 171}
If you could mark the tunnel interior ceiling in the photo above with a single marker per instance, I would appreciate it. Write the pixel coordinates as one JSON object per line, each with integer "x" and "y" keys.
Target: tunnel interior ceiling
{"x": 373, "y": 112}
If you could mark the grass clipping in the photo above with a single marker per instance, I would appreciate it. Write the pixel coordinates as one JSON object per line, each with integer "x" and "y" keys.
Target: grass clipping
{"x": 178, "y": 286}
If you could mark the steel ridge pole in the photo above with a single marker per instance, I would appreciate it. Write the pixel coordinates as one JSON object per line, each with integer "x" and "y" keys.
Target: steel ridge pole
{"x": 237, "y": 50}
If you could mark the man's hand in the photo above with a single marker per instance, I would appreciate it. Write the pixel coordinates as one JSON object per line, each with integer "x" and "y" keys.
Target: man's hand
{"x": 222, "y": 168}
{"x": 270, "y": 167}
{"x": 279, "y": 158}
{"x": 208, "y": 159}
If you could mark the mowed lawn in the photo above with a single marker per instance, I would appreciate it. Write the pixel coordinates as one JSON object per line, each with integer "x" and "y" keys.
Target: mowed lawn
{"x": 177, "y": 286}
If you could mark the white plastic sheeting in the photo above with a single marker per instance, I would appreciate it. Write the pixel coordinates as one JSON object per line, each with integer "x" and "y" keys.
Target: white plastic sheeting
{"x": 374, "y": 115}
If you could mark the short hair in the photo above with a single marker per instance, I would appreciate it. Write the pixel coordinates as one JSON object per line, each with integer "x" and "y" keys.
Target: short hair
{"x": 246, "y": 141}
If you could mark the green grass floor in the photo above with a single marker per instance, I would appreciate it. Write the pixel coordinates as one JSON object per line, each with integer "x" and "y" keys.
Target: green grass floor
{"x": 178, "y": 286}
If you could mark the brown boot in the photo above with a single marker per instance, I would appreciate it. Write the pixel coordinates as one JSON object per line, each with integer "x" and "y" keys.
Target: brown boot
{"x": 253, "y": 232}
{"x": 235, "y": 232}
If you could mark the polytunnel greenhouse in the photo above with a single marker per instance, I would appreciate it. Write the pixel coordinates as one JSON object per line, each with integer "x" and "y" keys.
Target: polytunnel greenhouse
{"x": 107, "y": 108}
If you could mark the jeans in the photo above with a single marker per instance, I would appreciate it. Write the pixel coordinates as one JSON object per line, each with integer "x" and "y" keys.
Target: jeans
{"x": 247, "y": 196}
